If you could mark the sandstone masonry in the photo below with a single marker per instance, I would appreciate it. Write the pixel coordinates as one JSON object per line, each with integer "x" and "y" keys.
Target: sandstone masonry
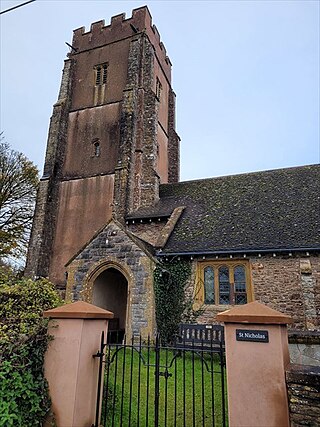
{"x": 303, "y": 385}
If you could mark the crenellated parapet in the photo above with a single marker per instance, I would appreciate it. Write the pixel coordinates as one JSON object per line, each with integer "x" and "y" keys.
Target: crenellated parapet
{"x": 120, "y": 28}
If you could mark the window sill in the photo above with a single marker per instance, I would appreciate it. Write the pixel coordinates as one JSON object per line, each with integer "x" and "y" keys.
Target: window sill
{"x": 221, "y": 306}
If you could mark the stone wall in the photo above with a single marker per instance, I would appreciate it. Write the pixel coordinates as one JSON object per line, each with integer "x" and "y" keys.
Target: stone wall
{"x": 303, "y": 385}
{"x": 116, "y": 248}
{"x": 121, "y": 28}
{"x": 85, "y": 205}
{"x": 136, "y": 180}
{"x": 173, "y": 142}
{"x": 284, "y": 284}
{"x": 304, "y": 347}
{"x": 42, "y": 234}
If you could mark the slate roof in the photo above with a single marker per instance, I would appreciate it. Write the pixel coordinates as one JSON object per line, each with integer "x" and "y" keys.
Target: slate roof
{"x": 277, "y": 209}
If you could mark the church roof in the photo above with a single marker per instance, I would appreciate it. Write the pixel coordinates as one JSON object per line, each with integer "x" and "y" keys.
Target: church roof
{"x": 271, "y": 210}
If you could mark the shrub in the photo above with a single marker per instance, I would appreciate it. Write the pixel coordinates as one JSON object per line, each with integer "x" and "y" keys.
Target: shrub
{"x": 24, "y": 398}
{"x": 22, "y": 302}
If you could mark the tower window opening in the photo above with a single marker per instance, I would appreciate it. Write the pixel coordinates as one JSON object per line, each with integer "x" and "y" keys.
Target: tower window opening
{"x": 96, "y": 148}
{"x": 98, "y": 76}
{"x": 104, "y": 74}
{"x": 101, "y": 74}
{"x": 158, "y": 89}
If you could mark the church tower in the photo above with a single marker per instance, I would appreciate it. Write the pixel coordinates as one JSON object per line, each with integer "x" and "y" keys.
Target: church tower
{"x": 111, "y": 141}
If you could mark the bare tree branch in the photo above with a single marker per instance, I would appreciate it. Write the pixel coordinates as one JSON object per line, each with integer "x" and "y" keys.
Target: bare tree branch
{"x": 18, "y": 187}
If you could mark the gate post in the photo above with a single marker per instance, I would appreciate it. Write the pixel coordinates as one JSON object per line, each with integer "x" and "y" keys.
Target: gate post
{"x": 257, "y": 355}
{"x": 70, "y": 368}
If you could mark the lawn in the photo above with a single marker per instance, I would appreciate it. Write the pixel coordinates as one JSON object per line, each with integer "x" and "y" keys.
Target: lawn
{"x": 190, "y": 389}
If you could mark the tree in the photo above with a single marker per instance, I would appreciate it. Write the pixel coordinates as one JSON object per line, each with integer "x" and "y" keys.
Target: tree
{"x": 18, "y": 187}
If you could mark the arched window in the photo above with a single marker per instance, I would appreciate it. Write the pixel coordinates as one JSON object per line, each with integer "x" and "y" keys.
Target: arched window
{"x": 101, "y": 74}
{"x": 209, "y": 285}
{"x": 224, "y": 285}
{"x": 96, "y": 147}
{"x": 225, "y": 282}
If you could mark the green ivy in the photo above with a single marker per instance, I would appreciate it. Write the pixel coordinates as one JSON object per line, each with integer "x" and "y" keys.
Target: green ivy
{"x": 170, "y": 280}
{"x": 24, "y": 397}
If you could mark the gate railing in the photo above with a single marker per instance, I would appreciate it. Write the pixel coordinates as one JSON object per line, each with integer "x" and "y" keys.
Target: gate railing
{"x": 150, "y": 384}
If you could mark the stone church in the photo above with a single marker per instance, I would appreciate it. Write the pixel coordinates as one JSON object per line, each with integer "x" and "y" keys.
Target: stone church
{"x": 110, "y": 205}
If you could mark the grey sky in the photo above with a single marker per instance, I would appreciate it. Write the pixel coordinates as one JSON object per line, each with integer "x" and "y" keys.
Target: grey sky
{"x": 246, "y": 75}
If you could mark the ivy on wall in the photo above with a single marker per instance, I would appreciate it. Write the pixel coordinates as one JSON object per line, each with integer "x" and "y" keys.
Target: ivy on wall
{"x": 172, "y": 305}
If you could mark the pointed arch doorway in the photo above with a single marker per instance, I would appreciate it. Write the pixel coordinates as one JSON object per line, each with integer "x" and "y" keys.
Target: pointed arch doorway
{"x": 110, "y": 291}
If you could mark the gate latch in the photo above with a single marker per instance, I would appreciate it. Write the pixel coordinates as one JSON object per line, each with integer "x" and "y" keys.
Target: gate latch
{"x": 165, "y": 374}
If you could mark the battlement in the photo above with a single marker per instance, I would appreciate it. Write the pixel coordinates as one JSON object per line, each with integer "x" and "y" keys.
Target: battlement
{"x": 121, "y": 28}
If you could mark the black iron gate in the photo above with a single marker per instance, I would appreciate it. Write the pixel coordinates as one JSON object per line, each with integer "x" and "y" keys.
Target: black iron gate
{"x": 149, "y": 384}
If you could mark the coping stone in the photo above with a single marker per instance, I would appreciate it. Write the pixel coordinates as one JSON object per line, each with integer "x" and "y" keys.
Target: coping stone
{"x": 253, "y": 312}
{"x": 78, "y": 310}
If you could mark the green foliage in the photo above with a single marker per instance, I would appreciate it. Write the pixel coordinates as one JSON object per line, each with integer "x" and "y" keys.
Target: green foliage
{"x": 24, "y": 398}
{"x": 170, "y": 280}
{"x": 18, "y": 186}
{"x": 22, "y": 302}
{"x": 7, "y": 274}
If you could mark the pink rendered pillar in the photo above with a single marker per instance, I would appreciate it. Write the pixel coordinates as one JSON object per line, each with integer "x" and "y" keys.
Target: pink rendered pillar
{"x": 70, "y": 369}
{"x": 257, "y": 394}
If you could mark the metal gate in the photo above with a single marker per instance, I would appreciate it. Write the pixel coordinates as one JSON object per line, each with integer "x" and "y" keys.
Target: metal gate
{"x": 150, "y": 384}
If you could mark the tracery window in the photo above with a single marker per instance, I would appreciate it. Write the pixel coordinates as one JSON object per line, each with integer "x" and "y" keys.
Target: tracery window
{"x": 225, "y": 282}
{"x": 101, "y": 74}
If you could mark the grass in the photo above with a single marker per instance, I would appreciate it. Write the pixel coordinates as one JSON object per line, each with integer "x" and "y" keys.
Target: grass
{"x": 190, "y": 396}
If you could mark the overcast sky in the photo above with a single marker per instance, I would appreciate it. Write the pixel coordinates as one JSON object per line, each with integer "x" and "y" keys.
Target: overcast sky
{"x": 246, "y": 75}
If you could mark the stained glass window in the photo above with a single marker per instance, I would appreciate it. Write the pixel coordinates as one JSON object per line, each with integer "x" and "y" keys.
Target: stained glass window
{"x": 240, "y": 290}
{"x": 225, "y": 282}
{"x": 209, "y": 285}
{"x": 224, "y": 285}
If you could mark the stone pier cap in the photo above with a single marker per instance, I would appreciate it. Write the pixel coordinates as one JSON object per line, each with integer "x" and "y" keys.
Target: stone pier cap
{"x": 78, "y": 310}
{"x": 253, "y": 312}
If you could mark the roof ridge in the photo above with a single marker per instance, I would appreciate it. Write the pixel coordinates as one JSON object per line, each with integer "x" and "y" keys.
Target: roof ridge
{"x": 291, "y": 168}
